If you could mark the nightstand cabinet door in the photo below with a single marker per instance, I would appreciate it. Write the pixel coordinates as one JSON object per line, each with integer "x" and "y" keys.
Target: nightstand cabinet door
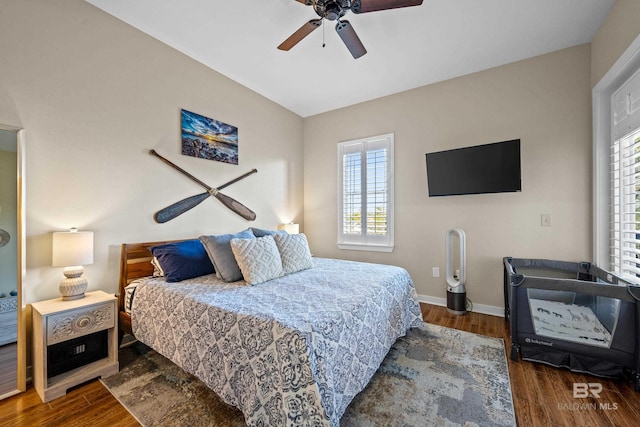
{"x": 73, "y": 342}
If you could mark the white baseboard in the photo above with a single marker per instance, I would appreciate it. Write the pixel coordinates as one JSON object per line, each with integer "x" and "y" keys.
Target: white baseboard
{"x": 477, "y": 308}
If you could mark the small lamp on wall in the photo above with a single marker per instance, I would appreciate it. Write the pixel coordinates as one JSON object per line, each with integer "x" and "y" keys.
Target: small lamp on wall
{"x": 290, "y": 228}
{"x": 73, "y": 249}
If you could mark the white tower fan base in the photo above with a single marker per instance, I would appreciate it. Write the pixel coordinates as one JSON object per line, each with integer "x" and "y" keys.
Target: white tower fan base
{"x": 456, "y": 292}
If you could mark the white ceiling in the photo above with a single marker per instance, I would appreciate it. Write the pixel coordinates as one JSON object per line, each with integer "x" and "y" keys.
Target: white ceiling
{"x": 407, "y": 48}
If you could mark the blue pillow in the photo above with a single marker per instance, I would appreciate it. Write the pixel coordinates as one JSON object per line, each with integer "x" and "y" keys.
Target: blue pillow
{"x": 183, "y": 260}
{"x": 219, "y": 249}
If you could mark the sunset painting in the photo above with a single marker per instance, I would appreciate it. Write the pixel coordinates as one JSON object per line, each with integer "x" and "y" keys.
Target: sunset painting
{"x": 208, "y": 138}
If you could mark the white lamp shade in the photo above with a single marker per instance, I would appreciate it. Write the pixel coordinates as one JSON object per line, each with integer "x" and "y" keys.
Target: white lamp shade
{"x": 290, "y": 228}
{"x": 72, "y": 248}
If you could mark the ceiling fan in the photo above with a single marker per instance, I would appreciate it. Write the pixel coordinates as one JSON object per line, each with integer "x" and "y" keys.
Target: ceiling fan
{"x": 334, "y": 10}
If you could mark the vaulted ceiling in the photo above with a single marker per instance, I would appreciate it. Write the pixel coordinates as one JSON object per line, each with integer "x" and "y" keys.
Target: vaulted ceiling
{"x": 407, "y": 48}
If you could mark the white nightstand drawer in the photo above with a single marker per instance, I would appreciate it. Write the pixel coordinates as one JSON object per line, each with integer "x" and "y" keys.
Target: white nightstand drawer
{"x": 81, "y": 321}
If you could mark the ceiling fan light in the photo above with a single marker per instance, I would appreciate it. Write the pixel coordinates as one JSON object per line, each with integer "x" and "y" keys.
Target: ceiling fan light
{"x": 332, "y": 12}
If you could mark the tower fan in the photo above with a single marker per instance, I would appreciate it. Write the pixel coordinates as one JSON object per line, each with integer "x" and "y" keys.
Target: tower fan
{"x": 456, "y": 292}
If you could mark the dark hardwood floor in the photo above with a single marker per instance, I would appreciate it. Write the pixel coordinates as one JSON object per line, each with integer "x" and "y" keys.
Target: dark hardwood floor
{"x": 543, "y": 396}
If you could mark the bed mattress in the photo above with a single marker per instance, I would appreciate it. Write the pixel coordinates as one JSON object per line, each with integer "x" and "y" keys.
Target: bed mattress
{"x": 8, "y": 320}
{"x": 292, "y": 351}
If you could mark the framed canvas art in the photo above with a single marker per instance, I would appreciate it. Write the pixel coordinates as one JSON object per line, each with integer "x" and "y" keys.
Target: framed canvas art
{"x": 208, "y": 138}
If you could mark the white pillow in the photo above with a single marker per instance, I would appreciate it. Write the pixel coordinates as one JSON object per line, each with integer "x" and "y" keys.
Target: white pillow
{"x": 294, "y": 251}
{"x": 258, "y": 259}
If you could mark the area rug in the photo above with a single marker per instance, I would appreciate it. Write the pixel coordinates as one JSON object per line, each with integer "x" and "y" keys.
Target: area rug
{"x": 433, "y": 376}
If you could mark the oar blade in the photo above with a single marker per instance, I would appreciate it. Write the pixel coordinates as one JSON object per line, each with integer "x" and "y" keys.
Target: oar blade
{"x": 178, "y": 208}
{"x": 236, "y": 207}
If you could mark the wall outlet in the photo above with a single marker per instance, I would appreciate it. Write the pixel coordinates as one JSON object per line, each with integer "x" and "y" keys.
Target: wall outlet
{"x": 545, "y": 220}
{"x": 435, "y": 271}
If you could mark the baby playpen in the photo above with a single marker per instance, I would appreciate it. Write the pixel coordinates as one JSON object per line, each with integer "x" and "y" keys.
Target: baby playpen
{"x": 573, "y": 315}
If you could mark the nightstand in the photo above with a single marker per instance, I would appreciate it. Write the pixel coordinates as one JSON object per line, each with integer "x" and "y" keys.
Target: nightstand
{"x": 73, "y": 342}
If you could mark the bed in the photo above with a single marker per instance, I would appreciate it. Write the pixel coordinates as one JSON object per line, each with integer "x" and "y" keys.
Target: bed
{"x": 573, "y": 315}
{"x": 8, "y": 320}
{"x": 294, "y": 350}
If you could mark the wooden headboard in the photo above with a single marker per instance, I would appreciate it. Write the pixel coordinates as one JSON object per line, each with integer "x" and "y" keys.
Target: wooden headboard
{"x": 135, "y": 262}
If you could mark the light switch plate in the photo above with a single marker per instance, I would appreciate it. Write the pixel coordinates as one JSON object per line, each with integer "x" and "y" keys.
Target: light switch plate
{"x": 545, "y": 220}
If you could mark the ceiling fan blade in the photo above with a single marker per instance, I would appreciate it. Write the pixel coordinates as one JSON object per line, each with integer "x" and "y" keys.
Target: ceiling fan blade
{"x": 351, "y": 39}
{"x": 301, "y": 33}
{"x": 364, "y": 6}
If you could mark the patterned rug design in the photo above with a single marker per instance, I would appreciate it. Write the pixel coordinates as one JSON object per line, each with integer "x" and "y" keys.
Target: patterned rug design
{"x": 433, "y": 376}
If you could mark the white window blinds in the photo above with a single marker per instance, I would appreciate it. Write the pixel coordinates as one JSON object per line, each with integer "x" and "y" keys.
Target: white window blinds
{"x": 377, "y": 191}
{"x": 625, "y": 181}
{"x": 365, "y": 188}
{"x": 626, "y": 107}
{"x": 625, "y": 206}
{"x": 352, "y": 193}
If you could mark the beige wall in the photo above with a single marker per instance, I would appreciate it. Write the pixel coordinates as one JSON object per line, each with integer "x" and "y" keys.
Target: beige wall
{"x": 544, "y": 101}
{"x": 620, "y": 28}
{"x": 94, "y": 95}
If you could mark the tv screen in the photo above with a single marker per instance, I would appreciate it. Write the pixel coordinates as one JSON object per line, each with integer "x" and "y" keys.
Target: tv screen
{"x": 489, "y": 168}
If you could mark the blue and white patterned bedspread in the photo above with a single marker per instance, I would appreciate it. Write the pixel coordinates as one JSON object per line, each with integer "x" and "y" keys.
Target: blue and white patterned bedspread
{"x": 293, "y": 351}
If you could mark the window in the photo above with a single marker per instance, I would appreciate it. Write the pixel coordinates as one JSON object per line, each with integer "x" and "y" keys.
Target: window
{"x": 624, "y": 253}
{"x": 616, "y": 122}
{"x": 625, "y": 205}
{"x": 365, "y": 194}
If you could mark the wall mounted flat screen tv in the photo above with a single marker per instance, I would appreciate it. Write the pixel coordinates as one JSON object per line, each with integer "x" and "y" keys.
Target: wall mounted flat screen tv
{"x": 489, "y": 168}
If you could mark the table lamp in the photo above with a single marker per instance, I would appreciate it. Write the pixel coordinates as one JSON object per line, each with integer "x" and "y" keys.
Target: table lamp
{"x": 72, "y": 249}
{"x": 290, "y": 228}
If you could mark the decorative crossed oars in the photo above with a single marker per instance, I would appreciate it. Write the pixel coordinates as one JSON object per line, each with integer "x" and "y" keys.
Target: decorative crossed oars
{"x": 178, "y": 208}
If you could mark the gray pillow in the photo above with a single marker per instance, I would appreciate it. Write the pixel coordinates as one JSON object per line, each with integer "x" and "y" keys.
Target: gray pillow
{"x": 261, "y": 232}
{"x": 294, "y": 251}
{"x": 218, "y": 248}
{"x": 258, "y": 258}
